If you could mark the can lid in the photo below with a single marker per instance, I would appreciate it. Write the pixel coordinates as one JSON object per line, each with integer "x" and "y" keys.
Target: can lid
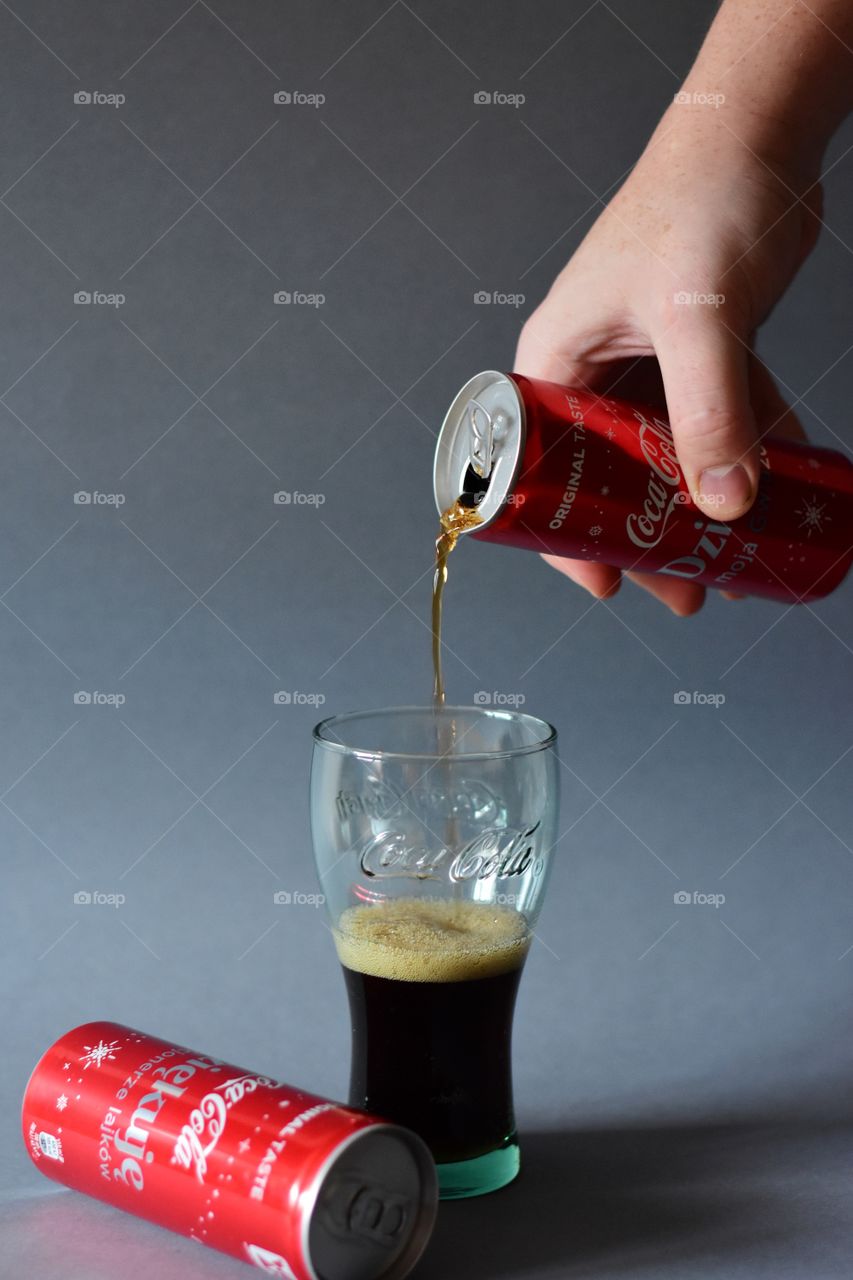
{"x": 480, "y": 444}
{"x": 375, "y": 1205}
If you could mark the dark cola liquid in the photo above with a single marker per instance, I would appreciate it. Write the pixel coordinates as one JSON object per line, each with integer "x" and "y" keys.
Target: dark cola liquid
{"x": 435, "y": 1055}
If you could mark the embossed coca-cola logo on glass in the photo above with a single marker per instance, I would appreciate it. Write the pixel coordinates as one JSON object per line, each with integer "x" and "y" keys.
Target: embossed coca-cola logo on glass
{"x": 493, "y": 854}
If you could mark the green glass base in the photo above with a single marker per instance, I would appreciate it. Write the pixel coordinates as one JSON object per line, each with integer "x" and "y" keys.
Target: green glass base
{"x": 477, "y": 1177}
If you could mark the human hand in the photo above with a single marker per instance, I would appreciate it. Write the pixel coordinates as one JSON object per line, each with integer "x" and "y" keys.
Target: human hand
{"x": 706, "y": 218}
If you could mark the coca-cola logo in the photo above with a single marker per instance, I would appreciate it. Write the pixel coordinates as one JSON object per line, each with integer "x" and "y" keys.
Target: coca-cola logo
{"x": 200, "y": 1134}
{"x": 206, "y": 1122}
{"x": 646, "y": 528}
{"x": 498, "y": 853}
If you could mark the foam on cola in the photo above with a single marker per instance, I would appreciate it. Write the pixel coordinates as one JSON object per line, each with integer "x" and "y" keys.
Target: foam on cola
{"x": 432, "y": 984}
{"x": 431, "y": 939}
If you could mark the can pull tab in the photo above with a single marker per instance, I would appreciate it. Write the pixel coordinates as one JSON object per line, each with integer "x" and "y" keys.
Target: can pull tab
{"x": 368, "y": 1211}
{"x": 378, "y": 1215}
{"x": 486, "y": 430}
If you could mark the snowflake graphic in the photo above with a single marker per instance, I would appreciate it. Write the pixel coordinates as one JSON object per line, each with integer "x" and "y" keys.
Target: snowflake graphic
{"x": 61, "y": 1102}
{"x": 604, "y": 490}
{"x": 812, "y": 513}
{"x": 610, "y": 433}
{"x": 596, "y": 531}
{"x": 244, "y": 1145}
{"x": 95, "y": 1054}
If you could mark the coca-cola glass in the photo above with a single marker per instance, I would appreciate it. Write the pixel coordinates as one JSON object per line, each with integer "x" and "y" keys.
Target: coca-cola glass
{"x": 433, "y": 831}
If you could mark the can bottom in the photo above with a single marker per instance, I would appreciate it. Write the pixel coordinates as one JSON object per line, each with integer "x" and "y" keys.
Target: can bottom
{"x": 373, "y": 1207}
{"x": 462, "y": 1179}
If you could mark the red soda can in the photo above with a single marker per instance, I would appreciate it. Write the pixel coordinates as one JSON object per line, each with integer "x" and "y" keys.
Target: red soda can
{"x": 557, "y": 469}
{"x": 304, "y": 1188}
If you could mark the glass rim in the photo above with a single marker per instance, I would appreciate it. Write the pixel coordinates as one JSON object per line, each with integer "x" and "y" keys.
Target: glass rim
{"x": 547, "y": 731}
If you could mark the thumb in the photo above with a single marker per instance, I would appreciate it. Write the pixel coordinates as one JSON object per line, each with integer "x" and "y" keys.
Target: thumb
{"x": 704, "y": 367}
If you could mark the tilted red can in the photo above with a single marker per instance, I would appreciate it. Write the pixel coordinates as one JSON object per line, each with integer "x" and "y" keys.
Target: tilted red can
{"x": 304, "y": 1188}
{"x": 557, "y": 469}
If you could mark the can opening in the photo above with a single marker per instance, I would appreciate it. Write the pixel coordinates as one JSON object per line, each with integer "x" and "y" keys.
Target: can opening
{"x": 479, "y": 447}
{"x": 474, "y": 488}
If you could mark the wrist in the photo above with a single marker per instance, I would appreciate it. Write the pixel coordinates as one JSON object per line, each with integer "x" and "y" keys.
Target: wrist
{"x": 727, "y": 133}
{"x": 779, "y": 76}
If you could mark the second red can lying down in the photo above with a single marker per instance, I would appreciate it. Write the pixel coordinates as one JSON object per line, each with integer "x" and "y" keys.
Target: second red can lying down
{"x": 303, "y": 1188}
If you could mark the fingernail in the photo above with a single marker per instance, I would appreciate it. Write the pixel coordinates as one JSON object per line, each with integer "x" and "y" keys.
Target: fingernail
{"x": 723, "y": 491}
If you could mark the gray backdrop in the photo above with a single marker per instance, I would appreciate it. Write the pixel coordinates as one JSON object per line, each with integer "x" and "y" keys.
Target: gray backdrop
{"x": 681, "y": 1071}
